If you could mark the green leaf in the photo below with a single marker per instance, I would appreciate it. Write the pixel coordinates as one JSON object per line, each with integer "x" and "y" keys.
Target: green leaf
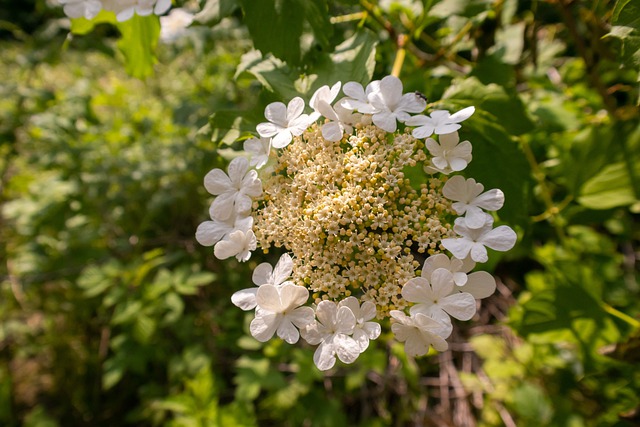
{"x": 353, "y": 60}
{"x": 82, "y": 26}
{"x": 144, "y": 328}
{"x": 626, "y": 13}
{"x": 506, "y": 107}
{"x": 277, "y": 26}
{"x": 498, "y": 162}
{"x": 138, "y": 44}
{"x": 610, "y": 188}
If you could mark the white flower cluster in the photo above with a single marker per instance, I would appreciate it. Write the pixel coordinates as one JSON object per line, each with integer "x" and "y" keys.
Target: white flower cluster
{"x": 342, "y": 327}
{"x": 124, "y": 9}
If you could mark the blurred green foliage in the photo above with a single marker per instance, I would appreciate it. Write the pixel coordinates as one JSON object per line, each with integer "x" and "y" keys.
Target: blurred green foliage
{"x": 111, "y": 314}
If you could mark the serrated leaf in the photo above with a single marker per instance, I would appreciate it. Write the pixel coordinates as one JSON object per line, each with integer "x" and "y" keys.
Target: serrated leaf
{"x": 353, "y": 60}
{"x": 276, "y": 26}
{"x": 272, "y": 73}
{"x": 113, "y": 370}
{"x": 138, "y": 43}
{"x": 610, "y": 188}
{"x": 506, "y": 107}
{"x": 144, "y": 328}
{"x": 498, "y": 162}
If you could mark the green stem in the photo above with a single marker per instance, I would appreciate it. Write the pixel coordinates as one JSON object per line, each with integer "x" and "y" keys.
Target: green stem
{"x": 620, "y": 315}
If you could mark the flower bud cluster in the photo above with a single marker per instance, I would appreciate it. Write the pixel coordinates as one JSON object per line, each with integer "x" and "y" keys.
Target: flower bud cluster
{"x": 124, "y": 9}
{"x": 336, "y": 195}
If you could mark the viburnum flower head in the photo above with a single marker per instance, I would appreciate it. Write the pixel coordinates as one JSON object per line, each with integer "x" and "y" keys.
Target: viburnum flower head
{"x": 353, "y": 226}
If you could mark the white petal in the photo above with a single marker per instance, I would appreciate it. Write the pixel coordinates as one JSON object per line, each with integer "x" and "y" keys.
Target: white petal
{"x": 367, "y": 310}
{"x": 416, "y": 345}
{"x": 345, "y": 320}
{"x": 459, "y": 247}
{"x": 479, "y": 253}
{"x": 455, "y": 189}
{"x": 209, "y": 232}
{"x": 283, "y": 269}
{"x": 287, "y": 331}
{"x": 313, "y": 333}
{"x": 325, "y": 356}
{"x": 500, "y": 238}
{"x": 457, "y": 164}
{"x": 417, "y": 290}
{"x": 446, "y": 128}
{"x": 412, "y": 103}
{"x": 237, "y": 169}
{"x": 332, "y": 131}
{"x": 463, "y": 114}
{"x": 460, "y": 278}
{"x": 354, "y": 90}
{"x": 302, "y": 316}
{"x": 267, "y": 130}
{"x": 462, "y": 306}
{"x": 294, "y": 108}
{"x": 326, "y": 312}
{"x": 346, "y": 348}
{"x": 361, "y": 338}
{"x": 282, "y": 139}
{"x": 262, "y": 274}
{"x": 293, "y": 296}
{"x": 480, "y": 284}
{"x": 298, "y": 125}
{"x": 441, "y": 282}
{"x": 268, "y": 298}
{"x": 276, "y": 113}
{"x": 226, "y": 248}
{"x": 245, "y": 298}
{"x": 264, "y": 325}
{"x": 385, "y": 121}
{"x": 391, "y": 91}
{"x": 223, "y": 206}
{"x": 433, "y": 262}
{"x": 476, "y": 217}
{"x": 217, "y": 182}
{"x": 162, "y": 6}
{"x": 372, "y": 329}
{"x": 491, "y": 200}
{"x": 353, "y": 304}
